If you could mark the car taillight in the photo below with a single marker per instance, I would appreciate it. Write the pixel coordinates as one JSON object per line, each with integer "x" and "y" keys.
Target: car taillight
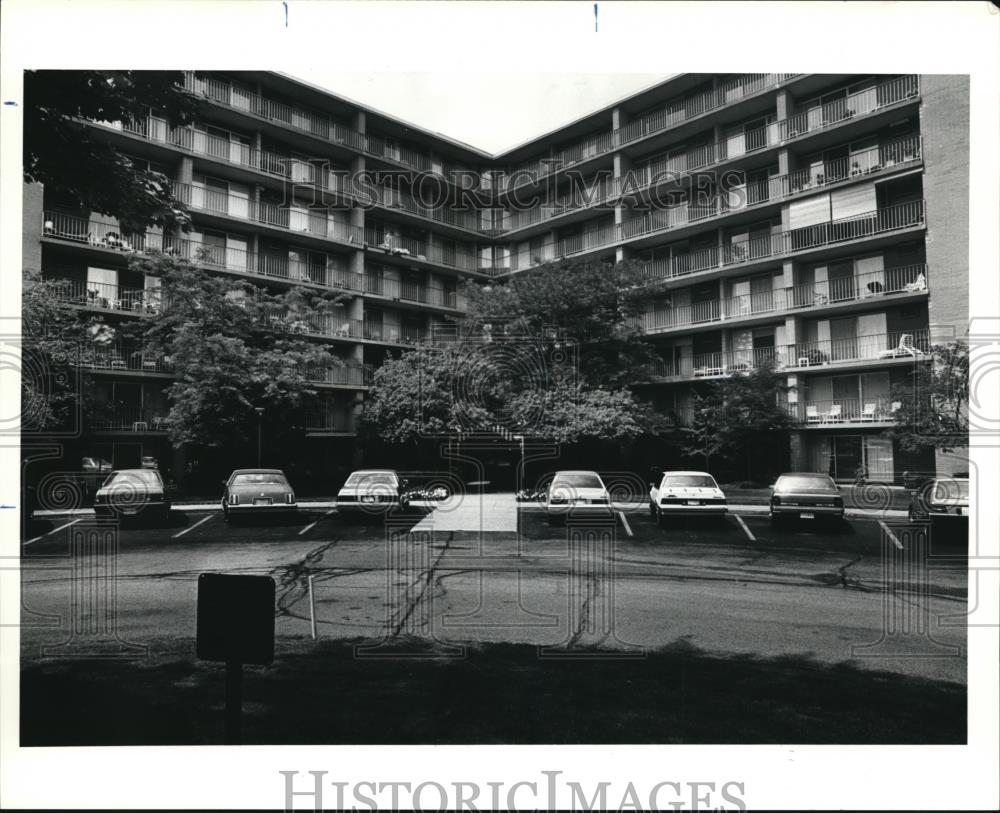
{"x": 557, "y": 499}
{"x": 289, "y": 498}
{"x": 234, "y": 499}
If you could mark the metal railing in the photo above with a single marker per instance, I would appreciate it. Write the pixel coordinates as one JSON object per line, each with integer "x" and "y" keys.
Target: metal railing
{"x": 908, "y": 279}
{"x": 890, "y": 218}
{"x": 913, "y": 344}
{"x": 333, "y": 420}
{"x": 124, "y": 418}
{"x": 393, "y": 334}
{"x": 347, "y": 375}
{"x": 681, "y": 110}
{"x": 395, "y": 199}
{"x": 107, "y": 233}
{"x": 819, "y": 116}
{"x": 531, "y": 171}
{"x": 877, "y": 408}
{"x": 121, "y": 357}
{"x": 378, "y": 237}
{"x": 410, "y": 292}
{"x": 107, "y": 296}
{"x": 776, "y": 187}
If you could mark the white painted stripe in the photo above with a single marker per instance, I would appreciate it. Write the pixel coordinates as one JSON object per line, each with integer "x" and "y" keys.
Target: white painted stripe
{"x": 628, "y": 528}
{"x": 746, "y": 530}
{"x": 892, "y": 536}
{"x": 312, "y": 525}
{"x": 53, "y": 531}
{"x": 191, "y": 528}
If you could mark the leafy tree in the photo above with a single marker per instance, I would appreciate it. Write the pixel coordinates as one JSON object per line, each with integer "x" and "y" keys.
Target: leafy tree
{"x": 82, "y": 169}
{"x": 933, "y": 411}
{"x": 55, "y": 337}
{"x": 589, "y": 304}
{"x": 233, "y": 348}
{"x": 546, "y": 354}
{"x": 740, "y": 417}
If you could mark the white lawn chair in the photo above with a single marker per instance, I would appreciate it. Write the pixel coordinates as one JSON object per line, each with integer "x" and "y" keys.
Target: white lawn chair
{"x": 868, "y": 412}
{"x": 835, "y": 414}
{"x": 812, "y": 413}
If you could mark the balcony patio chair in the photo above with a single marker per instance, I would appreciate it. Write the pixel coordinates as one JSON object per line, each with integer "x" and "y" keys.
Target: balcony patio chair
{"x": 904, "y": 348}
{"x": 835, "y": 415}
{"x": 919, "y": 285}
{"x": 118, "y": 363}
{"x": 812, "y": 413}
{"x": 140, "y": 426}
{"x": 868, "y": 412}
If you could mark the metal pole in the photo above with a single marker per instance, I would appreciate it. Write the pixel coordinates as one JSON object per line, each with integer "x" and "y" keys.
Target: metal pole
{"x": 258, "y": 441}
{"x": 312, "y": 608}
{"x": 234, "y": 703}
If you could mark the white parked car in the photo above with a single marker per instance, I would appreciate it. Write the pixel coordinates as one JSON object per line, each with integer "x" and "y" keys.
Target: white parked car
{"x": 685, "y": 493}
{"x": 576, "y": 493}
{"x": 373, "y": 492}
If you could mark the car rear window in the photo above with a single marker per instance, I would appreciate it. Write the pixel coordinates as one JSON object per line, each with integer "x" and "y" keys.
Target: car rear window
{"x": 951, "y": 491}
{"x": 689, "y": 481}
{"x": 145, "y": 478}
{"x": 578, "y": 481}
{"x": 804, "y": 484}
{"x": 259, "y": 478}
{"x": 370, "y": 479}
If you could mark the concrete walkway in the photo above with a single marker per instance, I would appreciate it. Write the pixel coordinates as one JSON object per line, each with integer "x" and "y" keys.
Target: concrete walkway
{"x": 472, "y": 512}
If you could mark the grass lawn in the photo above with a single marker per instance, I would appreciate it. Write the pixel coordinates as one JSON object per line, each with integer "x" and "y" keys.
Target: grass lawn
{"x": 320, "y": 693}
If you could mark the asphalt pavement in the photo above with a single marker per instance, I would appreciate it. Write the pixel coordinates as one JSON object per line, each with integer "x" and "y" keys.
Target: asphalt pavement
{"x": 832, "y": 592}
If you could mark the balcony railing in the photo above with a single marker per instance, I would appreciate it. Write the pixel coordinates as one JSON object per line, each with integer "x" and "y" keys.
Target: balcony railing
{"x": 122, "y": 418}
{"x": 333, "y": 421}
{"x": 119, "y": 357}
{"x": 888, "y": 219}
{"x": 680, "y": 265}
{"x": 776, "y": 188}
{"x": 106, "y": 296}
{"x": 682, "y": 110}
{"x": 877, "y": 408}
{"x": 531, "y": 171}
{"x": 870, "y": 100}
{"x": 908, "y": 279}
{"x": 297, "y": 219}
{"x": 395, "y": 245}
{"x": 410, "y": 292}
{"x": 394, "y": 199}
{"x": 914, "y": 344}
{"x": 107, "y": 233}
{"x": 312, "y": 122}
{"x": 393, "y": 334}
{"x": 881, "y": 347}
{"x": 347, "y": 375}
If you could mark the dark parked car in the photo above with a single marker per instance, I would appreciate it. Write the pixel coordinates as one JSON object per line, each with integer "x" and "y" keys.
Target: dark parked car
{"x": 944, "y": 498}
{"x": 257, "y": 493}
{"x": 133, "y": 493}
{"x": 805, "y": 495}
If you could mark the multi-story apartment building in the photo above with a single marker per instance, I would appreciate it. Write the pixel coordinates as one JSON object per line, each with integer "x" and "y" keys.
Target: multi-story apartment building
{"x": 819, "y": 221}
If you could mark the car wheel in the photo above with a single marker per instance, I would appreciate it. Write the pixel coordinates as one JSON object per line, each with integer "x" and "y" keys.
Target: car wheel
{"x": 652, "y": 510}
{"x": 777, "y": 523}
{"x": 661, "y": 519}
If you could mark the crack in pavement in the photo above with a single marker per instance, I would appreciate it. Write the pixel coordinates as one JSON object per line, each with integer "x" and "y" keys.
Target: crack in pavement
{"x": 591, "y": 594}
{"x": 423, "y": 580}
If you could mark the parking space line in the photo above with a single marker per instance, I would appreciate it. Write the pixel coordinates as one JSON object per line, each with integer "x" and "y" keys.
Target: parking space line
{"x": 192, "y": 527}
{"x": 892, "y": 536}
{"x": 746, "y": 530}
{"x": 628, "y": 528}
{"x": 312, "y": 525}
{"x": 54, "y": 530}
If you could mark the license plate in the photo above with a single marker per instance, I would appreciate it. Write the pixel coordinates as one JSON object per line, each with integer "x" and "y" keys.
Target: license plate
{"x": 261, "y": 501}
{"x": 807, "y": 515}
{"x": 693, "y": 502}
{"x": 368, "y": 499}
{"x": 131, "y": 512}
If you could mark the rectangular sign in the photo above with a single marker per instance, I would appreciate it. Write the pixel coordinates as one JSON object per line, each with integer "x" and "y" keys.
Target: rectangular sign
{"x": 236, "y": 618}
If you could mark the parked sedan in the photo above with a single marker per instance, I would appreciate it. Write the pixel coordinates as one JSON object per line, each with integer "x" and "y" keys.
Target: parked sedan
{"x": 133, "y": 493}
{"x": 576, "y": 493}
{"x": 945, "y": 499}
{"x": 256, "y": 493}
{"x": 805, "y": 495}
{"x": 372, "y": 492}
{"x": 686, "y": 493}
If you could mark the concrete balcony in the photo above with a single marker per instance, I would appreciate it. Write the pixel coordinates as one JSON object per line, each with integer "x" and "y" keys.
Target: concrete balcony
{"x": 874, "y": 411}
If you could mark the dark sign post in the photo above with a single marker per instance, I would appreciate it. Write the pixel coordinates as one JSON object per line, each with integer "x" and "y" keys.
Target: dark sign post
{"x": 235, "y": 626}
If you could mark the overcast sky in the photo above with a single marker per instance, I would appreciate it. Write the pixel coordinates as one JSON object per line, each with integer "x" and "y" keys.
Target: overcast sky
{"x": 491, "y": 111}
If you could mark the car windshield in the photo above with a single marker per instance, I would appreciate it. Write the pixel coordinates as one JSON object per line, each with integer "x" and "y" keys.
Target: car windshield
{"x": 951, "y": 490}
{"x": 689, "y": 481}
{"x": 371, "y": 478}
{"x": 144, "y": 478}
{"x": 805, "y": 484}
{"x": 582, "y": 480}
{"x": 259, "y": 478}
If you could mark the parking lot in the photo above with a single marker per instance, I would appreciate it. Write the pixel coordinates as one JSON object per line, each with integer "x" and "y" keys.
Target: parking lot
{"x": 729, "y": 585}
